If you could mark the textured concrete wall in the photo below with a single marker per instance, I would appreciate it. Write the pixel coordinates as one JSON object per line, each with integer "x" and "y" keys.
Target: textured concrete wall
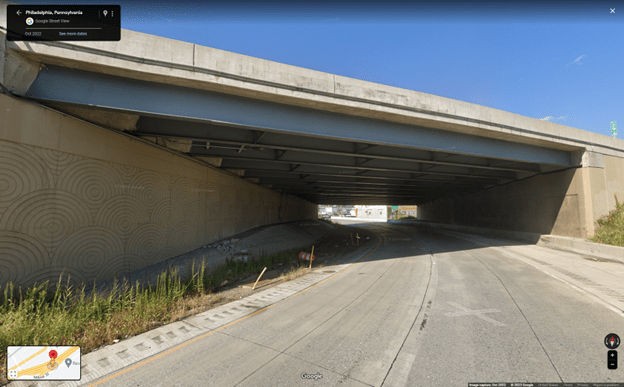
{"x": 93, "y": 203}
{"x": 614, "y": 179}
{"x": 566, "y": 203}
{"x": 544, "y": 204}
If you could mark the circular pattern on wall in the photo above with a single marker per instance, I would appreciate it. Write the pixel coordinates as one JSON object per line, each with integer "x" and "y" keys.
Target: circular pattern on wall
{"x": 89, "y": 251}
{"x": 214, "y": 208}
{"x": 194, "y": 213}
{"x": 122, "y": 214}
{"x": 149, "y": 187}
{"x": 184, "y": 191}
{"x": 167, "y": 213}
{"x": 21, "y": 255}
{"x": 56, "y": 160}
{"x": 183, "y": 237}
{"x": 127, "y": 171}
{"x": 47, "y": 215}
{"x": 207, "y": 188}
{"x": 22, "y": 172}
{"x": 147, "y": 241}
{"x": 92, "y": 180}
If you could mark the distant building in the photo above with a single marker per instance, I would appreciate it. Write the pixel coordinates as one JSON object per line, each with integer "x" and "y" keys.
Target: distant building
{"x": 325, "y": 211}
{"x": 408, "y": 210}
{"x": 371, "y": 212}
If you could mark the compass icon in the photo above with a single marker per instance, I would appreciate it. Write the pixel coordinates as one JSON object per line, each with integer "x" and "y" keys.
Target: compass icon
{"x": 612, "y": 341}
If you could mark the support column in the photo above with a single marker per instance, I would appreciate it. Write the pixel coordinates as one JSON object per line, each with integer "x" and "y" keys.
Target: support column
{"x": 595, "y": 202}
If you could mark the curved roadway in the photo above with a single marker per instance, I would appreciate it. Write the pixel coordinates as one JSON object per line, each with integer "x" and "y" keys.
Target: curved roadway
{"x": 424, "y": 308}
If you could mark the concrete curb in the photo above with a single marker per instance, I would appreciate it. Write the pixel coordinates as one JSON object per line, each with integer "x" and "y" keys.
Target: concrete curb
{"x": 582, "y": 246}
{"x": 574, "y": 245}
{"x": 113, "y": 358}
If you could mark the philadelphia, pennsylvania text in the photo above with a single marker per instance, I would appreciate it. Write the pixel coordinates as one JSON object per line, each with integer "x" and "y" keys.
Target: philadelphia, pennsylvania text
{"x": 55, "y": 12}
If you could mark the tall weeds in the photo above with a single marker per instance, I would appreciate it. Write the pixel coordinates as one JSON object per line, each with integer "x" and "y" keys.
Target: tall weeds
{"x": 64, "y": 314}
{"x": 611, "y": 228}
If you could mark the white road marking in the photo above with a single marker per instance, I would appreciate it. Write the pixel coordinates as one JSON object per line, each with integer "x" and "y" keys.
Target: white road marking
{"x": 398, "y": 376}
{"x": 478, "y": 313}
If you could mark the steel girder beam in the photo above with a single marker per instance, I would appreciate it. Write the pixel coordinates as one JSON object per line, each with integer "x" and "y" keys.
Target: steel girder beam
{"x": 325, "y": 191}
{"x": 311, "y": 167}
{"x": 326, "y": 198}
{"x": 78, "y": 87}
{"x": 371, "y": 195}
{"x": 329, "y": 197}
{"x": 352, "y": 192}
{"x": 313, "y": 190}
{"x": 382, "y": 200}
{"x": 362, "y": 179}
{"x": 276, "y": 182}
{"x": 349, "y": 188}
{"x": 314, "y": 168}
{"x": 279, "y": 156}
{"x": 200, "y": 132}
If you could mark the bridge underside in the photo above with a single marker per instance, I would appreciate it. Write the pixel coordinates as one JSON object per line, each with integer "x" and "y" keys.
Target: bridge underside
{"x": 319, "y": 156}
{"x": 92, "y": 202}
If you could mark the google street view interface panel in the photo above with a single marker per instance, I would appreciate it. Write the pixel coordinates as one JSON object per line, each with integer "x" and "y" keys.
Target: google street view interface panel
{"x": 381, "y": 303}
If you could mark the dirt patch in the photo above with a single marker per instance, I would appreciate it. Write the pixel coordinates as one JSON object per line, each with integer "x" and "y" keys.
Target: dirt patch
{"x": 329, "y": 250}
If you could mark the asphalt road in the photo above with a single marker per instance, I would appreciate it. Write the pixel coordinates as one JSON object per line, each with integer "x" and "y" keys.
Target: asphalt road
{"x": 425, "y": 308}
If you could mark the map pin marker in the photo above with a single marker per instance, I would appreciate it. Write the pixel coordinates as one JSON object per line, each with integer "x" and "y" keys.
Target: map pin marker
{"x": 68, "y": 362}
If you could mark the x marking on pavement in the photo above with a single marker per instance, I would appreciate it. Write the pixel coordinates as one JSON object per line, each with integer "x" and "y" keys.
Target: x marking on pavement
{"x": 478, "y": 313}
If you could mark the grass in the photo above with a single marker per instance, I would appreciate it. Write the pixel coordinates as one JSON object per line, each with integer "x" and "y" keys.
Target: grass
{"x": 62, "y": 314}
{"x": 611, "y": 228}
{"x": 297, "y": 272}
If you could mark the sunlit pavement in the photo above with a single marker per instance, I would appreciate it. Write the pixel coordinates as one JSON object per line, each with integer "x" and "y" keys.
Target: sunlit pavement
{"x": 425, "y": 308}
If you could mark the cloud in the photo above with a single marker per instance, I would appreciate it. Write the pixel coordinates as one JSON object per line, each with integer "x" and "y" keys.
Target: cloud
{"x": 551, "y": 118}
{"x": 577, "y": 61}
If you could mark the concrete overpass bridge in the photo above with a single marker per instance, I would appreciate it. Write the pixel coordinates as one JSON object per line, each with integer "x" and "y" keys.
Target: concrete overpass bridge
{"x": 116, "y": 155}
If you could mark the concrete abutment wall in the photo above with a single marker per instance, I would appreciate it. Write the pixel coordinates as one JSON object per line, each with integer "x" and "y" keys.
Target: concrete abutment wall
{"x": 92, "y": 203}
{"x": 566, "y": 203}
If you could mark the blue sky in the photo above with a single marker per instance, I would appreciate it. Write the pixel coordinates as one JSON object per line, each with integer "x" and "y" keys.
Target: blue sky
{"x": 555, "y": 61}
